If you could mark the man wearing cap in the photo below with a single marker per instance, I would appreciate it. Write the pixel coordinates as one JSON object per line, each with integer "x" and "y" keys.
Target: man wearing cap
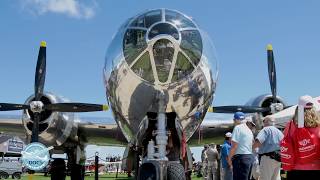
{"x": 225, "y": 151}
{"x": 268, "y": 141}
{"x": 241, "y": 158}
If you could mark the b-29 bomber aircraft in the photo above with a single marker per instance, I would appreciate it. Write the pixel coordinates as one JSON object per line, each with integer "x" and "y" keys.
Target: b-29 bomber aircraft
{"x": 160, "y": 77}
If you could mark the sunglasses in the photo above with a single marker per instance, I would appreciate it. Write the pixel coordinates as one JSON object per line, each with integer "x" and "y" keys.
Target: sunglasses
{"x": 308, "y": 105}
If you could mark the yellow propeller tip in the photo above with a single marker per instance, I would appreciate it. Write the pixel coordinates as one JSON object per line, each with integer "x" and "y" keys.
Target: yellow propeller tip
{"x": 43, "y": 44}
{"x": 105, "y": 107}
{"x": 210, "y": 109}
{"x": 269, "y": 47}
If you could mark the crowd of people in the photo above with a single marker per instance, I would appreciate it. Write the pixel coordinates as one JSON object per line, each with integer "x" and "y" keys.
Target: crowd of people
{"x": 247, "y": 155}
{"x": 113, "y": 158}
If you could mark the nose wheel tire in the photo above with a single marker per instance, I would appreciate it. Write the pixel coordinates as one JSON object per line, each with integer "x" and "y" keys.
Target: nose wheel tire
{"x": 16, "y": 176}
{"x": 149, "y": 171}
{"x": 4, "y": 175}
{"x": 175, "y": 171}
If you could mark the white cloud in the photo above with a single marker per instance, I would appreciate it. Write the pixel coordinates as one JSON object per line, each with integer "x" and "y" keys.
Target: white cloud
{"x": 72, "y": 8}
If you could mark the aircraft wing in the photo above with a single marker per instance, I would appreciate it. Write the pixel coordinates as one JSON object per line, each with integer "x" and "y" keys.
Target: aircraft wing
{"x": 102, "y": 134}
{"x": 93, "y": 133}
{"x": 12, "y": 126}
{"x": 284, "y": 116}
{"x": 212, "y": 130}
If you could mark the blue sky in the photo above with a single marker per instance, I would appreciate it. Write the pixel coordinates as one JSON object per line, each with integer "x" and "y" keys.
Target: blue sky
{"x": 78, "y": 34}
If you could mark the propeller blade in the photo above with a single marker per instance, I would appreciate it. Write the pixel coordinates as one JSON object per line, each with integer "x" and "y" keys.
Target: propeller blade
{"x": 12, "y": 107}
{"x": 40, "y": 72}
{"x": 233, "y": 109}
{"x": 35, "y": 129}
{"x": 272, "y": 73}
{"x": 76, "y": 107}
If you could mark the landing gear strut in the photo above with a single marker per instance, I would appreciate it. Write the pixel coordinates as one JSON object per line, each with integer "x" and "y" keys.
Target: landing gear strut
{"x": 156, "y": 165}
{"x": 76, "y": 169}
{"x": 58, "y": 169}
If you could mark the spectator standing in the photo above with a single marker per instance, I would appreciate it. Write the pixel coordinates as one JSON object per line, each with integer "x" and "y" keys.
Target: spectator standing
{"x": 255, "y": 170}
{"x": 204, "y": 161}
{"x": 225, "y": 151}
{"x": 307, "y": 117}
{"x": 212, "y": 156}
{"x": 241, "y": 157}
{"x": 268, "y": 140}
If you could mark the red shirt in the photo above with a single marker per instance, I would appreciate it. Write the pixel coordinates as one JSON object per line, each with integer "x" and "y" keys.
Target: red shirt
{"x": 315, "y": 164}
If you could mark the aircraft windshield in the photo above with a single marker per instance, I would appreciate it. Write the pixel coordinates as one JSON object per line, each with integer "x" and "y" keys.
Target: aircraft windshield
{"x": 163, "y": 28}
{"x": 162, "y": 46}
{"x": 163, "y": 51}
{"x": 192, "y": 45}
{"x": 180, "y": 20}
{"x": 146, "y": 20}
{"x": 133, "y": 44}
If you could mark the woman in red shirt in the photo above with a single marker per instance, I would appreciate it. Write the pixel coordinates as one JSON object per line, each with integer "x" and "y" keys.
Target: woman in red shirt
{"x": 306, "y": 116}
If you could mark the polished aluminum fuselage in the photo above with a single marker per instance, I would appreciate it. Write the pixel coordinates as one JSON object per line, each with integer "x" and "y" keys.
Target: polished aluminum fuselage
{"x": 131, "y": 97}
{"x": 133, "y": 82}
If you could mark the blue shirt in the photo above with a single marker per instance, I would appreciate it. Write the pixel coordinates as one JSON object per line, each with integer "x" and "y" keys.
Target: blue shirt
{"x": 269, "y": 137}
{"x": 243, "y": 136}
{"x": 225, "y": 150}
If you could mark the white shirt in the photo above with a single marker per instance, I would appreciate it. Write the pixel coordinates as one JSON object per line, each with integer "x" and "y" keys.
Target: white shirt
{"x": 243, "y": 136}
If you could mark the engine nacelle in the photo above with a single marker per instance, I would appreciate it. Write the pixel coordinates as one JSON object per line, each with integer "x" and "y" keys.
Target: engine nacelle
{"x": 54, "y": 127}
{"x": 264, "y": 100}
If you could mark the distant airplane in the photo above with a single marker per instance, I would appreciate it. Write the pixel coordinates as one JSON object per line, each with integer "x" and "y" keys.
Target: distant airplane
{"x": 160, "y": 77}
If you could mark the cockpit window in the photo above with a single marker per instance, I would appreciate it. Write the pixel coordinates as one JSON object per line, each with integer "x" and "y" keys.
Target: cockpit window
{"x": 146, "y": 20}
{"x": 163, "y": 28}
{"x": 178, "y": 19}
{"x": 191, "y": 44}
{"x": 152, "y": 40}
{"x": 134, "y": 43}
{"x": 183, "y": 68}
{"x": 163, "y": 51}
{"x": 143, "y": 67}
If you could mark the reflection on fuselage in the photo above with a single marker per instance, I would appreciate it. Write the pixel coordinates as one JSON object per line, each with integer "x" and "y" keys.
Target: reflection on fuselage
{"x": 161, "y": 50}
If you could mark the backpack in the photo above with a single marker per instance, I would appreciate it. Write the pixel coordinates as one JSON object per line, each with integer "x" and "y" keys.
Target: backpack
{"x": 306, "y": 145}
{"x": 287, "y": 153}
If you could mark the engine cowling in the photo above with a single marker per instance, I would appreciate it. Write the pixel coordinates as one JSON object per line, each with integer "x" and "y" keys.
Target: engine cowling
{"x": 264, "y": 100}
{"x": 54, "y": 127}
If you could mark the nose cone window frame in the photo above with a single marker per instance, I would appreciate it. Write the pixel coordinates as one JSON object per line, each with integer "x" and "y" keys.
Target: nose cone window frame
{"x": 162, "y": 46}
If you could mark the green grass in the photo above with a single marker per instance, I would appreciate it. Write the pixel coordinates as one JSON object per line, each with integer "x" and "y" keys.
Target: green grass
{"x": 216, "y": 140}
{"x": 107, "y": 176}
{"x": 12, "y": 130}
{"x": 105, "y": 141}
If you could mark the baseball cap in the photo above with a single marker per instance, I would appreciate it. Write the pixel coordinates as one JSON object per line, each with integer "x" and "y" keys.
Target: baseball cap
{"x": 239, "y": 115}
{"x": 228, "y": 134}
{"x": 306, "y": 101}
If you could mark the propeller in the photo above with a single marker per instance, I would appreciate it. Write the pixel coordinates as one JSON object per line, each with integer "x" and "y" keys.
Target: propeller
{"x": 39, "y": 80}
{"x": 12, "y": 107}
{"x": 40, "y": 75}
{"x": 257, "y": 109}
{"x": 76, "y": 107}
{"x": 37, "y": 106}
{"x": 272, "y": 73}
{"x": 233, "y": 109}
